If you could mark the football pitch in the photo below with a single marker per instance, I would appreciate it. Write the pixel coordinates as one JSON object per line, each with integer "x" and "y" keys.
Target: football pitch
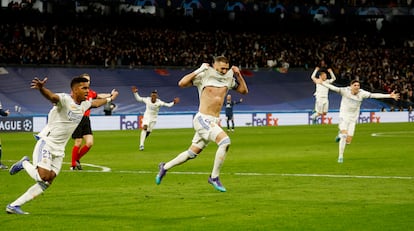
{"x": 277, "y": 178}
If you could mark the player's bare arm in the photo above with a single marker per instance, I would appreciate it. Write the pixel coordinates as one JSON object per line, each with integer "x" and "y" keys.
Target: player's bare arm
{"x": 176, "y": 100}
{"x": 395, "y": 96}
{"x": 103, "y": 95}
{"x": 242, "y": 88}
{"x": 48, "y": 94}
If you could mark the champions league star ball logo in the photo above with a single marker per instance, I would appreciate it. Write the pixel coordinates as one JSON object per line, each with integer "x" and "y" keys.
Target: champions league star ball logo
{"x": 27, "y": 125}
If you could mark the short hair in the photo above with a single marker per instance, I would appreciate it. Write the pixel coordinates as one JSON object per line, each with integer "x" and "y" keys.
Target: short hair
{"x": 155, "y": 91}
{"x": 354, "y": 81}
{"x": 77, "y": 80}
{"x": 85, "y": 75}
{"x": 221, "y": 58}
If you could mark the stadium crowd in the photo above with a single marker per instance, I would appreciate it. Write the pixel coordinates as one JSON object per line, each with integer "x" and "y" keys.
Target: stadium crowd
{"x": 383, "y": 60}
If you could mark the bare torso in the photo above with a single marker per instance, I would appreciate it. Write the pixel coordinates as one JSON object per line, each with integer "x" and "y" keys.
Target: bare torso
{"x": 211, "y": 100}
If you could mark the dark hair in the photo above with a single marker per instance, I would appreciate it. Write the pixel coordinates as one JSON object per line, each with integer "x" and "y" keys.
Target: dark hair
{"x": 354, "y": 81}
{"x": 77, "y": 80}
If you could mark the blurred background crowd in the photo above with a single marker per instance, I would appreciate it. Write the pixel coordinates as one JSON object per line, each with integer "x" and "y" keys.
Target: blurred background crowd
{"x": 372, "y": 41}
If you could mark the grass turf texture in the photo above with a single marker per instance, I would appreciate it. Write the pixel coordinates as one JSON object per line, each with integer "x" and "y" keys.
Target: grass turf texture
{"x": 277, "y": 178}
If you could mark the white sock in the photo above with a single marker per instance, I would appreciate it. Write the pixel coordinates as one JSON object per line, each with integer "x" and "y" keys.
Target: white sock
{"x": 181, "y": 158}
{"x": 220, "y": 157}
{"x": 31, "y": 170}
{"x": 342, "y": 145}
{"x": 143, "y": 136}
{"x": 314, "y": 115}
{"x": 29, "y": 195}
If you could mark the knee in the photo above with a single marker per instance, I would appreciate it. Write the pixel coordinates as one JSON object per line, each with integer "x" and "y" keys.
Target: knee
{"x": 225, "y": 143}
{"x": 348, "y": 139}
{"x": 191, "y": 154}
{"x": 46, "y": 175}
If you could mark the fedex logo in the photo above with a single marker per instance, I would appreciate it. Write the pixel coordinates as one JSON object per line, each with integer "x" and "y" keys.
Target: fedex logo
{"x": 323, "y": 119}
{"x": 371, "y": 118}
{"x": 264, "y": 119}
{"x": 131, "y": 122}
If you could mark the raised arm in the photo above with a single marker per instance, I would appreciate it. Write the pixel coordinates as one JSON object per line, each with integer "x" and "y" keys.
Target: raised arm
{"x": 48, "y": 94}
{"x": 242, "y": 87}
{"x": 137, "y": 97}
{"x": 313, "y": 76}
{"x": 333, "y": 77}
{"x": 187, "y": 80}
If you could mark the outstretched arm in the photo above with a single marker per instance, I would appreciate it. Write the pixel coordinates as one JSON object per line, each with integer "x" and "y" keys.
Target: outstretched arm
{"x": 176, "y": 100}
{"x": 393, "y": 95}
{"x": 101, "y": 101}
{"x": 328, "y": 85}
{"x": 172, "y": 103}
{"x": 48, "y": 94}
{"x": 103, "y": 95}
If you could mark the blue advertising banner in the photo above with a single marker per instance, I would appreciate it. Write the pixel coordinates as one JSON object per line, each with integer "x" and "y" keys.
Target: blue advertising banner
{"x": 16, "y": 124}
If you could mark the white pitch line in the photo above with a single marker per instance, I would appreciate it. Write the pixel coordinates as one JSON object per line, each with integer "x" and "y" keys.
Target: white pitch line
{"x": 280, "y": 174}
{"x": 107, "y": 169}
{"x": 394, "y": 134}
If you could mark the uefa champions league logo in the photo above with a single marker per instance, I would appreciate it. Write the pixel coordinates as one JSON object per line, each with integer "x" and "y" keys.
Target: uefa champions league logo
{"x": 27, "y": 125}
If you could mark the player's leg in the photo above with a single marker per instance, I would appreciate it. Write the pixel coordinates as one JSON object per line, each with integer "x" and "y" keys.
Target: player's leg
{"x": 77, "y": 136}
{"x": 351, "y": 131}
{"x": 315, "y": 111}
{"x": 199, "y": 142}
{"x": 43, "y": 172}
{"x": 228, "y": 117}
{"x": 319, "y": 108}
{"x": 342, "y": 144}
{"x": 324, "y": 111}
{"x": 343, "y": 134}
{"x": 223, "y": 141}
{"x": 143, "y": 136}
{"x": 2, "y": 166}
{"x": 87, "y": 137}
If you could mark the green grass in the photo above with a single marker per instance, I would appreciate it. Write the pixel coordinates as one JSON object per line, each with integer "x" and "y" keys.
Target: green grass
{"x": 277, "y": 178}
